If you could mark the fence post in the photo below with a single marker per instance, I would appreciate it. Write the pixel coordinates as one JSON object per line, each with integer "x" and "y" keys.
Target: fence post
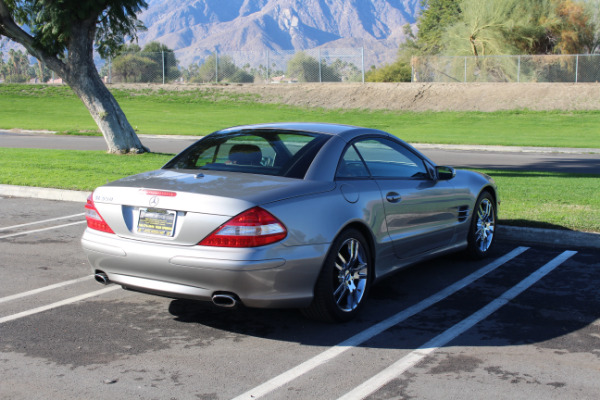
{"x": 362, "y": 60}
{"x": 320, "y": 81}
{"x": 576, "y": 68}
{"x": 519, "y": 69}
{"x": 163, "y": 65}
{"x": 216, "y": 66}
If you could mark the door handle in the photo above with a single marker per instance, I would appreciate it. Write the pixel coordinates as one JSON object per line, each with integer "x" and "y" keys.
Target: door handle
{"x": 393, "y": 197}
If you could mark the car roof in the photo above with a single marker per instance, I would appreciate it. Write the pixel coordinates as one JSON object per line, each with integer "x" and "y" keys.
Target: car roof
{"x": 346, "y": 132}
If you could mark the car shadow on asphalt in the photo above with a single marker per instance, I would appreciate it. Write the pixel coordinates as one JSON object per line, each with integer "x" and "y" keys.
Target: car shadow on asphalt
{"x": 564, "y": 302}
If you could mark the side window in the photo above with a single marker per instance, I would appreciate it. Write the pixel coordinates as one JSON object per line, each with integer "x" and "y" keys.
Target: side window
{"x": 351, "y": 166}
{"x": 386, "y": 159}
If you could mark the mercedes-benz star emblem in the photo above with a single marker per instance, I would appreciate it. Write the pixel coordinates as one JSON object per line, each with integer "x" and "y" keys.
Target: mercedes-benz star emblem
{"x": 153, "y": 201}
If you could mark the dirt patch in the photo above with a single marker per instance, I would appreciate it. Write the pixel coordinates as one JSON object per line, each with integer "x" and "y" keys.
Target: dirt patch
{"x": 417, "y": 96}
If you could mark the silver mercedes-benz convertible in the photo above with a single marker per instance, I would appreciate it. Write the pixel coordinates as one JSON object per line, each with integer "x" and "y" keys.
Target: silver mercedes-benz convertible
{"x": 288, "y": 215}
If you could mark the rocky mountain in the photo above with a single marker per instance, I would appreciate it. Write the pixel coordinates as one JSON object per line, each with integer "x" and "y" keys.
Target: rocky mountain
{"x": 194, "y": 28}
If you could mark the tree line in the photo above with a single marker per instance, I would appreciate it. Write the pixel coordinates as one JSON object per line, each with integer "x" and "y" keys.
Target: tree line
{"x": 157, "y": 63}
{"x": 17, "y": 68}
{"x": 481, "y": 28}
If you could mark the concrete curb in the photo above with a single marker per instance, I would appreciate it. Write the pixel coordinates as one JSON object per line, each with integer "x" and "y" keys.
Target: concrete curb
{"x": 548, "y": 237}
{"x": 43, "y": 193}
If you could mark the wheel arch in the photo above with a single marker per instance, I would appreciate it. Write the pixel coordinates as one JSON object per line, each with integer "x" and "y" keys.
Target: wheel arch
{"x": 493, "y": 192}
{"x": 368, "y": 235}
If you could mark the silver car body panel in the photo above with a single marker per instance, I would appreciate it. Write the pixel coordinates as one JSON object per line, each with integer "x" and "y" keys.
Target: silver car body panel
{"x": 433, "y": 218}
{"x": 198, "y": 272}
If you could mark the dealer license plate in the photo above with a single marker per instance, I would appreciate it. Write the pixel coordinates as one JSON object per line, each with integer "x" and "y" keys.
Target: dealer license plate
{"x": 156, "y": 222}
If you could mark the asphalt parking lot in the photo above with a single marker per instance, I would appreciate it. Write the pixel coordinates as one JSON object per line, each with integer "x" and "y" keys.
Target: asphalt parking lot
{"x": 524, "y": 323}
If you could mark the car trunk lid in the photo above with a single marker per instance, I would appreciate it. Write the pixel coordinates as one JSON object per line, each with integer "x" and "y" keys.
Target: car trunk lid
{"x": 184, "y": 207}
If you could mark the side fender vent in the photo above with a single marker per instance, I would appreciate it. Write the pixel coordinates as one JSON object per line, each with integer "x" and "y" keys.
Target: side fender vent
{"x": 463, "y": 213}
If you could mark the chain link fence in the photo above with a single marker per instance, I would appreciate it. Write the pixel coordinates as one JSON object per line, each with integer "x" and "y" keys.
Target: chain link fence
{"x": 536, "y": 68}
{"x": 316, "y": 65}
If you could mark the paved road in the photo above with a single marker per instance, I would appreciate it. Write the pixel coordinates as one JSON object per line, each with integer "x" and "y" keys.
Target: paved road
{"x": 524, "y": 324}
{"x": 579, "y": 163}
{"x": 472, "y": 157}
{"x": 160, "y": 144}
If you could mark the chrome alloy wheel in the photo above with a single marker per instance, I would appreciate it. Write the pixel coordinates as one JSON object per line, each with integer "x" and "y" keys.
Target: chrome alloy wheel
{"x": 352, "y": 272}
{"x": 486, "y": 223}
{"x": 343, "y": 284}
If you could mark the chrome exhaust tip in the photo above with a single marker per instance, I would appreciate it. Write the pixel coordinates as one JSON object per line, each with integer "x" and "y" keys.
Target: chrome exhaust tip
{"x": 224, "y": 300}
{"x": 101, "y": 277}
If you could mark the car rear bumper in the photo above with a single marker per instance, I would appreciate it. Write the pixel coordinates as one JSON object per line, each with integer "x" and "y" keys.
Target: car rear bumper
{"x": 275, "y": 276}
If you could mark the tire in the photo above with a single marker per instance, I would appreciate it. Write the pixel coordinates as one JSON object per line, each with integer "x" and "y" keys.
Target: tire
{"x": 344, "y": 281}
{"x": 483, "y": 227}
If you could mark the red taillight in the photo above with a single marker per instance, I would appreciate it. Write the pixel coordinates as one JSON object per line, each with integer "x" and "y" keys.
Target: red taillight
{"x": 93, "y": 217}
{"x": 252, "y": 228}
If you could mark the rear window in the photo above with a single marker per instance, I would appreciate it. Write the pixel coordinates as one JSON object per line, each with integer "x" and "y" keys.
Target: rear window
{"x": 266, "y": 152}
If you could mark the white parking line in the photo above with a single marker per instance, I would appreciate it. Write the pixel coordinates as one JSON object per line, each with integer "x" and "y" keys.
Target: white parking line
{"x": 58, "y": 304}
{"x": 41, "y": 222}
{"x": 43, "y": 289}
{"x": 395, "y": 370}
{"x": 373, "y": 331}
{"x": 42, "y": 229}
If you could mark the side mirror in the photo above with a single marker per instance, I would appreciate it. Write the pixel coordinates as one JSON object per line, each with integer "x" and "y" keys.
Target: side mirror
{"x": 445, "y": 173}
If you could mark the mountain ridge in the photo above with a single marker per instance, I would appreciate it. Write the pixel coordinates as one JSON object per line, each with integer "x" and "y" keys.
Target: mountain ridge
{"x": 195, "y": 28}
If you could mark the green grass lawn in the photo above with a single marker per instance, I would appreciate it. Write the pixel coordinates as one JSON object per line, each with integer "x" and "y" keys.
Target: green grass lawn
{"x": 537, "y": 199}
{"x": 72, "y": 169}
{"x": 201, "y": 111}
{"x": 549, "y": 199}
